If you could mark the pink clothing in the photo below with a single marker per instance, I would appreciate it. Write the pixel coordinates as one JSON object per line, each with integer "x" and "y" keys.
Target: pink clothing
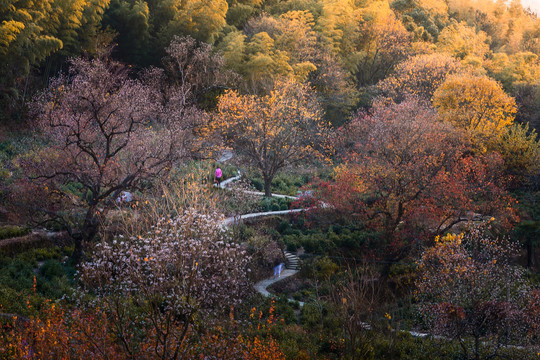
{"x": 218, "y": 173}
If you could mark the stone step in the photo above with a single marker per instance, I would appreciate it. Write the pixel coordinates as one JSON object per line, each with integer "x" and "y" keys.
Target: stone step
{"x": 291, "y": 261}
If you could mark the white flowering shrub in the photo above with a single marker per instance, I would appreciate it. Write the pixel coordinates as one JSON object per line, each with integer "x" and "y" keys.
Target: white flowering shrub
{"x": 469, "y": 287}
{"x": 184, "y": 270}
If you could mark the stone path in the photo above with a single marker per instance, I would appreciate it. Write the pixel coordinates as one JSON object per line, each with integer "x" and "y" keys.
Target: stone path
{"x": 292, "y": 263}
{"x": 262, "y": 285}
{"x": 291, "y": 260}
{"x": 260, "y": 193}
{"x": 235, "y": 219}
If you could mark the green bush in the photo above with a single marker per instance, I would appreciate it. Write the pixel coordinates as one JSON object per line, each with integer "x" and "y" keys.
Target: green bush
{"x": 11, "y": 231}
{"x": 292, "y": 246}
{"x": 310, "y": 316}
{"x": 53, "y": 279}
{"x": 51, "y": 269}
{"x": 285, "y": 310}
{"x": 245, "y": 233}
{"x": 336, "y": 240}
{"x": 17, "y": 275}
{"x": 285, "y": 183}
{"x": 32, "y": 256}
{"x": 12, "y": 301}
{"x": 257, "y": 183}
{"x": 284, "y": 226}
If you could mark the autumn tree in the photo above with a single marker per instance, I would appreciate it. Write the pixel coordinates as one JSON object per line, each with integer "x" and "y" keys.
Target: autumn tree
{"x": 419, "y": 76}
{"x": 513, "y": 70}
{"x": 468, "y": 288}
{"x": 397, "y": 152}
{"x": 481, "y": 107}
{"x": 406, "y": 171}
{"x": 273, "y": 131}
{"x": 384, "y": 45}
{"x": 158, "y": 286}
{"x": 477, "y": 104}
{"x": 520, "y": 148}
{"x": 462, "y": 41}
{"x": 105, "y": 135}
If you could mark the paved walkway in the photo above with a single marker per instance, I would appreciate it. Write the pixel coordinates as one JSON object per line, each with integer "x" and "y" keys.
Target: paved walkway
{"x": 235, "y": 219}
{"x": 262, "y": 285}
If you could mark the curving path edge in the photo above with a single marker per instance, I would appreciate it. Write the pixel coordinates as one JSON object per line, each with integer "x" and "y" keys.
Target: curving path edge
{"x": 261, "y": 286}
{"x": 291, "y": 259}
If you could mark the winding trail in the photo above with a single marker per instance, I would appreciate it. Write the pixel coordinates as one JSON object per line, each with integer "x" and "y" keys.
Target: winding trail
{"x": 261, "y": 286}
{"x": 235, "y": 219}
{"x": 291, "y": 259}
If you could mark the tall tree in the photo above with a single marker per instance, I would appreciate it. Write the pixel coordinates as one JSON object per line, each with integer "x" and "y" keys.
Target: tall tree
{"x": 146, "y": 28}
{"x": 520, "y": 148}
{"x": 24, "y": 41}
{"x": 423, "y": 18}
{"x": 383, "y": 45}
{"x": 270, "y": 132}
{"x": 104, "y": 134}
{"x": 419, "y": 76}
{"x": 461, "y": 41}
{"x": 477, "y": 104}
{"x": 468, "y": 287}
{"x": 32, "y": 31}
{"x": 193, "y": 70}
{"x": 407, "y": 172}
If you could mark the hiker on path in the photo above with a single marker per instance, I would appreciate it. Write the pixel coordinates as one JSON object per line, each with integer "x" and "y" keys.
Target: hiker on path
{"x": 278, "y": 269}
{"x": 219, "y": 174}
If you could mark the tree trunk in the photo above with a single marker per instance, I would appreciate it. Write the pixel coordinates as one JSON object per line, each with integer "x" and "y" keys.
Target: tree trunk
{"x": 87, "y": 234}
{"x": 477, "y": 348}
{"x": 530, "y": 253}
{"x": 267, "y": 183}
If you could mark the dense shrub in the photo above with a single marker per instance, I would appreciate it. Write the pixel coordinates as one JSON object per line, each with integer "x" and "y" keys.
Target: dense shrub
{"x": 34, "y": 276}
{"x": 334, "y": 241}
{"x": 275, "y": 204}
{"x": 284, "y": 183}
{"x": 11, "y": 231}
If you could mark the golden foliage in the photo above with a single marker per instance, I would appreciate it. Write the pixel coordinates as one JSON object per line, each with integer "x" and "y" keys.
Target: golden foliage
{"x": 520, "y": 149}
{"x": 275, "y": 130}
{"x": 461, "y": 41}
{"x": 477, "y": 104}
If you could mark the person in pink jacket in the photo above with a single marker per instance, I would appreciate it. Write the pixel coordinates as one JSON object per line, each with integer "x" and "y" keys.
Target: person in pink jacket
{"x": 219, "y": 174}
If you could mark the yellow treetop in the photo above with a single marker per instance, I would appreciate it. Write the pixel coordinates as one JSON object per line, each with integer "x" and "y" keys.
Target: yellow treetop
{"x": 477, "y": 104}
{"x": 275, "y": 130}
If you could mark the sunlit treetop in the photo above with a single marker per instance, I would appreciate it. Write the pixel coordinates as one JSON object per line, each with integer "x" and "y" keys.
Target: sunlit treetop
{"x": 477, "y": 104}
